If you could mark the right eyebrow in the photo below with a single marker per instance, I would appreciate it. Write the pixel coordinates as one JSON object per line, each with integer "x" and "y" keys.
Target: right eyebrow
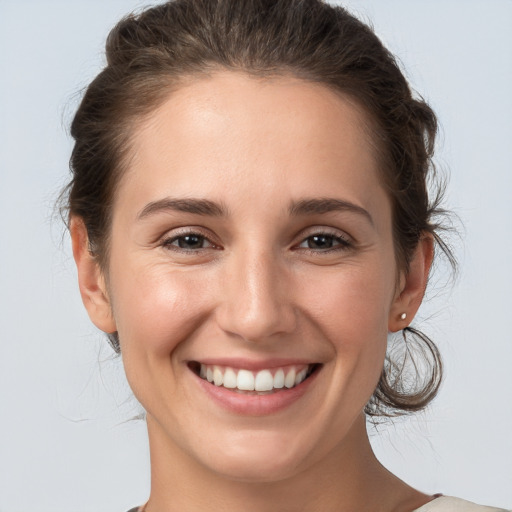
{"x": 189, "y": 205}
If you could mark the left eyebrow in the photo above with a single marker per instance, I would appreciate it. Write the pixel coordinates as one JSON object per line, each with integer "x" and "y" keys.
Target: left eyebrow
{"x": 326, "y": 205}
{"x": 189, "y": 205}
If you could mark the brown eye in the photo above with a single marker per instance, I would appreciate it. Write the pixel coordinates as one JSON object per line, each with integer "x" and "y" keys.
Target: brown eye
{"x": 320, "y": 242}
{"x": 188, "y": 242}
{"x": 323, "y": 242}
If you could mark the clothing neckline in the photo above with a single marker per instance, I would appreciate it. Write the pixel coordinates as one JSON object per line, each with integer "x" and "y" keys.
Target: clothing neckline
{"x": 434, "y": 497}
{"x": 424, "y": 506}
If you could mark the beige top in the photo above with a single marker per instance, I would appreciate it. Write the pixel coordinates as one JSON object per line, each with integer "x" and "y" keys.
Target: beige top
{"x": 441, "y": 504}
{"x": 449, "y": 504}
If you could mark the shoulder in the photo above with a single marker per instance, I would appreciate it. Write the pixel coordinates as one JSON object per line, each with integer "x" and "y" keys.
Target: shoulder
{"x": 449, "y": 504}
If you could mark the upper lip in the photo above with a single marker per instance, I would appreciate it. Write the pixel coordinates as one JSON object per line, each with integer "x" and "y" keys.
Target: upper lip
{"x": 253, "y": 364}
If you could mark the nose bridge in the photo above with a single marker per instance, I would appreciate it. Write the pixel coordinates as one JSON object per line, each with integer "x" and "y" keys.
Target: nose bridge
{"x": 256, "y": 304}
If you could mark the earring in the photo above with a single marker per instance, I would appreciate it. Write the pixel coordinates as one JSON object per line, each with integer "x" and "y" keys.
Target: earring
{"x": 403, "y": 316}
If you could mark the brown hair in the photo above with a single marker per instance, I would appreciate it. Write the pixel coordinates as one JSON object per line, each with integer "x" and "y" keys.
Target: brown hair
{"x": 151, "y": 53}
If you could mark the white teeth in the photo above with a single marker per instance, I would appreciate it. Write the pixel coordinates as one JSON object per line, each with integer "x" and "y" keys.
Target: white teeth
{"x": 279, "y": 379}
{"x": 289, "y": 380}
{"x": 245, "y": 380}
{"x": 229, "y": 378}
{"x": 300, "y": 376}
{"x": 217, "y": 376}
{"x": 262, "y": 382}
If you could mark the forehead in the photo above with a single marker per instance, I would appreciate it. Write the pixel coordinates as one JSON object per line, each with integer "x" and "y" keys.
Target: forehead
{"x": 279, "y": 134}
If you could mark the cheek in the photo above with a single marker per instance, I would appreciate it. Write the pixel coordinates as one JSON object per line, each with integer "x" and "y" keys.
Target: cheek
{"x": 351, "y": 310}
{"x": 352, "y": 304}
{"x": 155, "y": 309}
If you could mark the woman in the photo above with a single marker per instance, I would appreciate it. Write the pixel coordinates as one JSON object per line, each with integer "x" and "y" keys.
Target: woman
{"x": 250, "y": 220}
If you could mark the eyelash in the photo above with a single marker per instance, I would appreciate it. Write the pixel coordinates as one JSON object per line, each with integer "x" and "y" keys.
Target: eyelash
{"x": 342, "y": 244}
{"x": 168, "y": 242}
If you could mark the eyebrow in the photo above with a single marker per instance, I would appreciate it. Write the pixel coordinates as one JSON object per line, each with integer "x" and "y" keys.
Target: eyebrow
{"x": 212, "y": 209}
{"x": 326, "y": 205}
{"x": 189, "y": 205}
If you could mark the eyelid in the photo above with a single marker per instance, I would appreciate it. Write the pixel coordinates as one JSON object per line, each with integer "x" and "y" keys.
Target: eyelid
{"x": 327, "y": 231}
{"x": 345, "y": 241}
{"x": 169, "y": 237}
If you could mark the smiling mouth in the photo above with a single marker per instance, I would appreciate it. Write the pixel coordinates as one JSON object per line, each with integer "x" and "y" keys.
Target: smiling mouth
{"x": 262, "y": 382}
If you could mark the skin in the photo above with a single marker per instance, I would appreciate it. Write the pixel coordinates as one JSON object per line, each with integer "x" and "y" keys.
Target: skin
{"x": 256, "y": 288}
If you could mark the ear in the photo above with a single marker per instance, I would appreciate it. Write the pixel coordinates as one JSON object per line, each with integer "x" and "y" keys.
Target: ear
{"x": 90, "y": 279}
{"x": 413, "y": 284}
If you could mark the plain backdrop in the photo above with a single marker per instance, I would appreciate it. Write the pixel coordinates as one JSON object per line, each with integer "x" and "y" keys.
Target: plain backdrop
{"x": 68, "y": 442}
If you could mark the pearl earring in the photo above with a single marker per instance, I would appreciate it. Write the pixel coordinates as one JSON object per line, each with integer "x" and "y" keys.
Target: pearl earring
{"x": 403, "y": 316}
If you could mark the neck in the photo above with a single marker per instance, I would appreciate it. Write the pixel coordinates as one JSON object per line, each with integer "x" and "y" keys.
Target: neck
{"x": 349, "y": 478}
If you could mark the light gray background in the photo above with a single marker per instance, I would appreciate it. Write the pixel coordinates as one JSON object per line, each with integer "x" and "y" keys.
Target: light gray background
{"x": 65, "y": 444}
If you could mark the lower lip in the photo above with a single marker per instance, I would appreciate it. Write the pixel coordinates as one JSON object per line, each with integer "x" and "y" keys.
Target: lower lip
{"x": 256, "y": 405}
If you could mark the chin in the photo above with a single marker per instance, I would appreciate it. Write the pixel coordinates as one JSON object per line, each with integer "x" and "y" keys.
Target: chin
{"x": 257, "y": 470}
{"x": 260, "y": 459}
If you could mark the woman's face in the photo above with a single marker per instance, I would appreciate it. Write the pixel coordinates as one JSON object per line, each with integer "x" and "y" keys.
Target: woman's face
{"x": 252, "y": 244}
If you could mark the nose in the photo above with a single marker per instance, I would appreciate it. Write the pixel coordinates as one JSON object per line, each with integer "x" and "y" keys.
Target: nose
{"x": 256, "y": 300}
